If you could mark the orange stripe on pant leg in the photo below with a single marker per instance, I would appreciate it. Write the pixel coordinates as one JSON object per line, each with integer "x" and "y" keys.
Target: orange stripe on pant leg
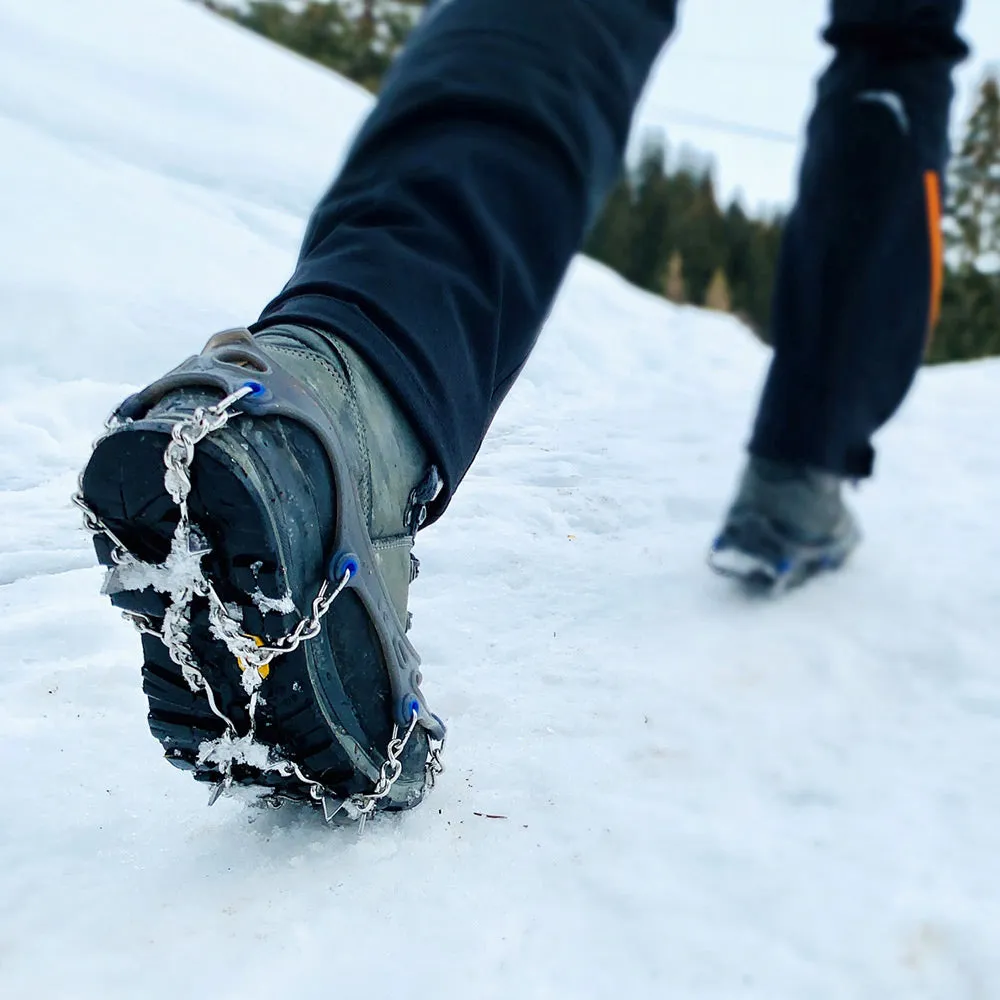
{"x": 932, "y": 186}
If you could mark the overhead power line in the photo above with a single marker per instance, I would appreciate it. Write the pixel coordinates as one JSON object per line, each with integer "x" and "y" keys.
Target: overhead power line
{"x": 710, "y": 122}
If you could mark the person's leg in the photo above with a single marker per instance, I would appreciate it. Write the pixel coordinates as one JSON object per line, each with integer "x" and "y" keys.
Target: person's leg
{"x": 859, "y": 275}
{"x": 438, "y": 250}
{"x": 285, "y": 534}
{"x": 857, "y": 289}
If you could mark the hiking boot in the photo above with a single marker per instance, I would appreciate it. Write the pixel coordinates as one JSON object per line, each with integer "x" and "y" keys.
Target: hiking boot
{"x": 786, "y": 524}
{"x": 256, "y": 510}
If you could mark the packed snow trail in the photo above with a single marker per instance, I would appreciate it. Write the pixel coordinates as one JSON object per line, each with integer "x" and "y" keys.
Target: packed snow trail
{"x": 698, "y": 795}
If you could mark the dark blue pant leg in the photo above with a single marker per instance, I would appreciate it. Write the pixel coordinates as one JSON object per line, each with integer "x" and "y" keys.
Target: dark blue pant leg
{"x": 440, "y": 247}
{"x": 859, "y": 270}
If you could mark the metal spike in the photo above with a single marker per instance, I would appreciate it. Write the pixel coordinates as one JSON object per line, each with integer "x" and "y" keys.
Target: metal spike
{"x": 220, "y": 789}
{"x": 328, "y": 807}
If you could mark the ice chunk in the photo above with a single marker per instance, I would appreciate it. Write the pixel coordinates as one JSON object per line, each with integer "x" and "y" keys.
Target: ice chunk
{"x": 178, "y": 576}
{"x": 285, "y": 605}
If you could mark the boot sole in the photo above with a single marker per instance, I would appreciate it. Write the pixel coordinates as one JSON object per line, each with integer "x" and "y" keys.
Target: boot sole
{"x": 326, "y": 706}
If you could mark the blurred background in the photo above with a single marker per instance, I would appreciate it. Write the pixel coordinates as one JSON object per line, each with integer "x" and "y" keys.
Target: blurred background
{"x": 698, "y": 215}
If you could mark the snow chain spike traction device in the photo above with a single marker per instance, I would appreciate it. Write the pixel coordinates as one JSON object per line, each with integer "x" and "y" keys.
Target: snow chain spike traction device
{"x": 252, "y": 655}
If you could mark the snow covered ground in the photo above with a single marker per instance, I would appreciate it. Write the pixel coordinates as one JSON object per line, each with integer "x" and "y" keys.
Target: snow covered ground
{"x": 701, "y": 796}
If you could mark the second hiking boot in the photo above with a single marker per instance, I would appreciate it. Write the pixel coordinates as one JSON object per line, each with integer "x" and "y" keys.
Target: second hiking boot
{"x": 786, "y": 524}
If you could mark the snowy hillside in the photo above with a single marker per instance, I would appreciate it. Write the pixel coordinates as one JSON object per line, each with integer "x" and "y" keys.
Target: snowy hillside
{"x": 700, "y": 796}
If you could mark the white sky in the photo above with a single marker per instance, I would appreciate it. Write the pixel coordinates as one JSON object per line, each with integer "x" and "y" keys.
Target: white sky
{"x": 752, "y": 65}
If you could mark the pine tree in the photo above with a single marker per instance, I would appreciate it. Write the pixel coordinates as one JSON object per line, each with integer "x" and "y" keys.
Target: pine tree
{"x": 610, "y": 239}
{"x": 699, "y": 231}
{"x": 717, "y": 297}
{"x": 674, "y": 285}
{"x": 651, "y": 210}
{"x": 975, "y": 203}
{"x": 970, "y": 318}
{"x": 663, "y": 230}
{"x": 970, "y": 307}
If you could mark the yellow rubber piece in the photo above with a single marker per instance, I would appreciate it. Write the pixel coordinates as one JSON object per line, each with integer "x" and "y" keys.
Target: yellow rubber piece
{"x": 265, "y": 669}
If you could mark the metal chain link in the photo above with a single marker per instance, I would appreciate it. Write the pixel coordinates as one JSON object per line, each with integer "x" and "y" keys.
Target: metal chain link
{"x": 260, "y": 654}
{"x": 252, "y": 654}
